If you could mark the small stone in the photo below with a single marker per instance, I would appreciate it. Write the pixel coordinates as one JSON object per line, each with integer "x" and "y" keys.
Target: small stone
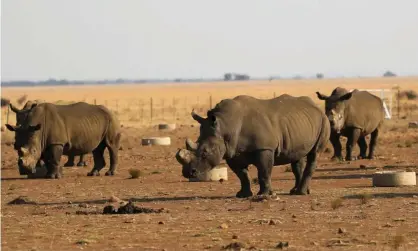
{"x": 161, "y": 223}
{"x": 413, "y": 124}
{"x": 130, "y": 220}
{"x": 235, "y": 237}
{"x": 272, "y": 222}
{"x": 83, "y": 205}
{"x": 223, "y": 226}
{"x": 388, "y": 225}
{"x": 341, "y": 230}
{"x": 293, "y": 216}
{"x": 282, "y": 244}
{"x": 362, "y": 167}
{"x": 114, "y": 199}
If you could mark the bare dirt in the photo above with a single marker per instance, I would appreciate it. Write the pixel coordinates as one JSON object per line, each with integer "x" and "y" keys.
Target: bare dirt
{"x": 343, "y": 211}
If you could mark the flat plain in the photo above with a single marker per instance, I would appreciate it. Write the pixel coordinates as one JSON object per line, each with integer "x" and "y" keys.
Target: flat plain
{"x": 343, "y": 211}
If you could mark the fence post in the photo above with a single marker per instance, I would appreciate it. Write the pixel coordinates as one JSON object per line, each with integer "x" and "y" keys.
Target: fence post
{"x": 151, "y": 107}
{"x": 95, "y": 102}
{"x": 274, "y": 94}
{"x": 210, "y": 102}
{"x": 174, "y": 109}
{"x": 162, "y": 104}
{"x": 399, "y": 102}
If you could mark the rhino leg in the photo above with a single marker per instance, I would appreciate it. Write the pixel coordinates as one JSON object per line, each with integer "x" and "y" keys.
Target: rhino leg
{"x": 99, "y": 161}
{"x": 264, "y": 163}
{"x": 373, "y": 141}
{"x": 113, "y": 148}
{"x": 363, "y": 147}
{"x": 303, "y": 187}
{"x": 70, "y": 161}
{"x": 297, "y": 169}
{"x": 81, "y": 162}
{"x": 352, "y": 139}
{"x": 336, "y": 144}
{"x": 54, "y": 169}
{"x": 241, "y": 170}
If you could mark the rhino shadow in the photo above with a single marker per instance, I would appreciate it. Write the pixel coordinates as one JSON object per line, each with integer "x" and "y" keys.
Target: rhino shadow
{"x": 382, "y": 195}
{"x": 139, "y": 200}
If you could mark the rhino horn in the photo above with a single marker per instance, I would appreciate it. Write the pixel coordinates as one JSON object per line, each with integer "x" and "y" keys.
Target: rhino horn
{"x": 190, "y": 145}
{"x": 14, "y": 108}
{"x": 24, "y": 150}
{"x": 184, "y": 156}
{"x": 197, "y": 117}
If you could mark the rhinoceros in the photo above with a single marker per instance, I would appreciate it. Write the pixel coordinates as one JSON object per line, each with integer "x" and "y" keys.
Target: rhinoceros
{"x": 266, "y": 133}
{"x": 20, "y": 117}
{"x": 53, "y": 130}
{"x": 353, "y": 115}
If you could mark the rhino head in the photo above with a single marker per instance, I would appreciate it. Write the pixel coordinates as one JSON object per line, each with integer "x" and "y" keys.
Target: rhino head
{"x": 207, "y": 153}
{"x": 335, "y": 107}
{"x": 27, "y": 140}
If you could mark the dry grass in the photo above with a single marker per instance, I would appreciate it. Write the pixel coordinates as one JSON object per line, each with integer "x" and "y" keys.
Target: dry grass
{"x": 337, "y": 203}
{"x": 135, "y": 173}
{"x": 173, "y": 102}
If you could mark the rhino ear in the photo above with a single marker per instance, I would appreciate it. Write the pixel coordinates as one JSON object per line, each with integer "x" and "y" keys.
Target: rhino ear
{"x": 346, "y": 96}
{"x": 11, "y": 128}
{"x": 14, "y": 108}
{"x": 322, "y": 96}
{"x": 197, "y": 117}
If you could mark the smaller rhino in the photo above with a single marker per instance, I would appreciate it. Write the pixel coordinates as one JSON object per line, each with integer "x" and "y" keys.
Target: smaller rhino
{"x": 353, "y": 115}
{"x": 20, "y": 118}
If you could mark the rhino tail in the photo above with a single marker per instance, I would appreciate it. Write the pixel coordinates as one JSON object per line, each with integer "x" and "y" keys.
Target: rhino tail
{"x": 324, "y": 135}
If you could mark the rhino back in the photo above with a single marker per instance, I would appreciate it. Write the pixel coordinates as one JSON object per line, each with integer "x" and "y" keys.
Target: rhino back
{"x": 364, "y": 111}
{"x": 288, "y": 125}
{"x": 86, "y": 125}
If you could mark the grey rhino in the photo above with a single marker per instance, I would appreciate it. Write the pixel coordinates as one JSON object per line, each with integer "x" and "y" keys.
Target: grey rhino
{"x": 353, "y": 115}
{"x": 266, "y": 133}
{"x": 21, "y": 116}
{"x": 53, "y": 130}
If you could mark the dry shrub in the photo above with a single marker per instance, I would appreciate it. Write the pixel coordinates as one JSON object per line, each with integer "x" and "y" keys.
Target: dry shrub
{"x": 337, "y": 203}
{"x": 135, "y": 173}
{"x": 364, "y": 198}
{"x": 408, "y": 94}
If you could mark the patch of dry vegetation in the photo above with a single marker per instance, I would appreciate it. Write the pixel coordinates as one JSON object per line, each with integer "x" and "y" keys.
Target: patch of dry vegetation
{"x": 173, "y": 102}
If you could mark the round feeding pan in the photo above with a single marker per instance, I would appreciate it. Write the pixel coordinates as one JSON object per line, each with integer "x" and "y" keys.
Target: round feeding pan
{"x": 162, "y": 141}
{"x": 394, "y": 179}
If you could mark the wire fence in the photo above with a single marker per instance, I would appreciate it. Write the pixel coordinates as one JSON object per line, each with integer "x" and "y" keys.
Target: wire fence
{"x": 177, "y": 110}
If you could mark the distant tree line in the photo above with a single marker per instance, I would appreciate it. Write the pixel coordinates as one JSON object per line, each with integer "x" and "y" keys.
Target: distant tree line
{"x": 235, "y": 76}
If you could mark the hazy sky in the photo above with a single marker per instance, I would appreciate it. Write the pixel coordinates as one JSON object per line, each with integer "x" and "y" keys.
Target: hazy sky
{"x": 98, "y": 39}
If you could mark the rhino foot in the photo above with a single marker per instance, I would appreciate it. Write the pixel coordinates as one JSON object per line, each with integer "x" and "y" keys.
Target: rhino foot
{"x": 244, "y": 194}
{"x": 361, "y": 157}
{"x": 371, "y": 157}
{"x": 337, "y": 158}
{"x": 81, "y": 163}
{"x": 266, "y": 193}
{"x": 93, "y": 173}
{"x": 53, "y": 176}
{"x": 351, "y": 158}
{"x": 300, "y": 192}
{"x": 110, "y": 173}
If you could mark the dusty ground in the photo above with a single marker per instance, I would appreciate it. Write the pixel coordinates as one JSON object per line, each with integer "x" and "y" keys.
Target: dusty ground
{"x": 207, "y": 215}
